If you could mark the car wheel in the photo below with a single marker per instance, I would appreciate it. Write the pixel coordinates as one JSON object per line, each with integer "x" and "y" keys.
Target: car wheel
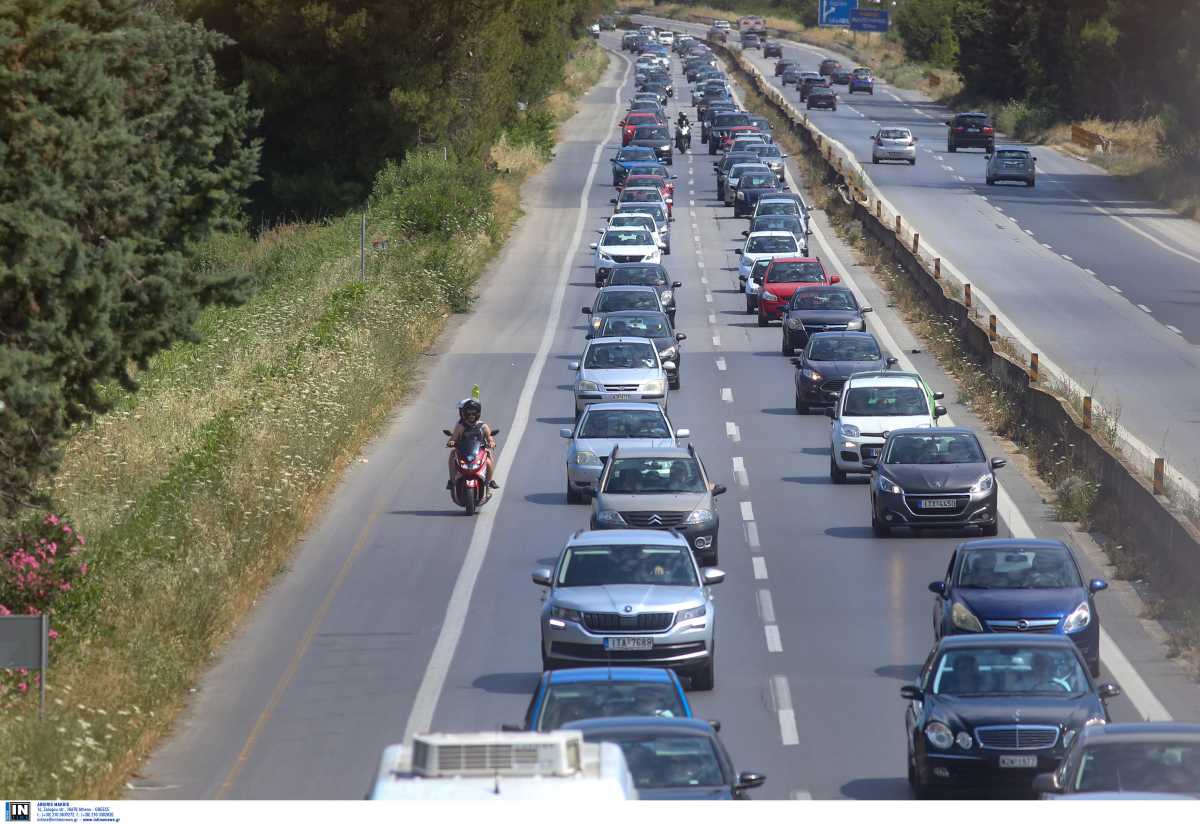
{"x": 912, "y": 162}
{"x": 704, "y": 678}
{"x": 835, "y": 472}
{"x": 875, "y": 160}
{"x": 1094, "y": 667}
{"x": 762, "y": 319}
{"x": 676, "y": 381}
{"x": 1031, "y": 183}
{"x": 786, "y": 347}
{"x": 880, "y": 529}
{"x": 834, "y": 107}
{"x": 801, "y": 408}
{"x": 991, "y": 181}
{"x": 950, "y": 148}
{"x": 808, "y": 106}
{"x": 920, "y": 790}
{"x": 749, "y": 306}
{"x": 991, "y": 530}
{"x": 712, "y": 148}
{"x": 667, "y": 250}
{"x": 573, "y": 495}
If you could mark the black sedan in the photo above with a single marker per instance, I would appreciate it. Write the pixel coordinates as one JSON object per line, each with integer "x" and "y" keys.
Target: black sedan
{"x": 656, "y": 326}
{"x": 991, "y": 711}
{"x": 840, "y": 77}
{"x": 772, "y": 49}
{"x": 827, "y": 360}
{"x": 782, "y": 65}
{"x": 1135, "y": 761}
{"x": 820, "y": 309}
{"x": 676, "y": 759}
{"x": 751, "y": 186}
{"x": 647, "y": 274}
{"x": 933, "y": 478}
{"x": 821, "y": 97}
{"x": 657, "y": 138}
{"x": 1018, "y": 585}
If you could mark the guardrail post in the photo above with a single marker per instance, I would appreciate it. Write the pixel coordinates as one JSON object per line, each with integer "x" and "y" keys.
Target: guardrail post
{"x": 1087, "y": 411}
{"x": 1033, "y": 367}
{"x": 937, "y": 268}
{"x": 1160, "y": 470}
{"x": 967, "y": 296}
{"x": 916, "y": 241}
{"x": 879, "y": 208}
{"x": 991, "y": 327}
{"x": 897, "y": 226}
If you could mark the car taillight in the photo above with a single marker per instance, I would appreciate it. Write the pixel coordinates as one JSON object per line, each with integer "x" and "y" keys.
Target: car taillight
{"x": 958, "y": 128}
{"x": 987, "y": 129}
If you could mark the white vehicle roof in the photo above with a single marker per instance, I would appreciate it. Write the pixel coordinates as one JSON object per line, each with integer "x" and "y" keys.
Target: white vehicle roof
{"x": 884, "y": 379}
{"x": 503, "y": 766}
{"x": 771, "y": 233}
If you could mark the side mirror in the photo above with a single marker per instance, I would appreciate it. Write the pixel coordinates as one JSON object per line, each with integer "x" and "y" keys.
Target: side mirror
{"x": 595, "y": 245}
{"x": 587, "y": 310}
{"x": 712, "y": 576}
{"x": 939, "y": 411}
{"x": 915, "y": 138}
{"x": 783, "y": 157}
{"x": 937, "y": 396}
{"x": 865, "y": 309}
{"x": 999, "y": 463}
{"x": 830, "y": 411}
{"x": 1046, "y": 784}
{"x": 892, "y": 362}
{"x": 1097, "y": 585}
{"x": 719, "y": 489}
{"x": 749, "y": 780}
{"x": 681, "y": 336}
{"x": 870, "y": 463}
{"x": 612, "y": 200}
{"x": 808, "y": 230}
{"x": 873, "y": 138}
{"x": 1108, "y": 691}
{"x": 565, "y": 432}
{"x": 796, "y": 362}
{"x": 987, "y": 157}
{"x": 742, "y": 278}
{"x": 835, "y": 278}
{"x": 542, "y": 576}
{"x": 573, "y": 366}
{"x": 669, "y": 366}
{"x": 938, "y": 587}
{"x": 912, "y": 692}
{"x": 716, "y": 725}
{"x": 677, "y": 284}
{"x": 670, "y": 220}
{"x": 683, "y": 433}
{"x": 1035, "y": 160}
{"x": 745, "y": 233}
{"x": 447, "y": 433}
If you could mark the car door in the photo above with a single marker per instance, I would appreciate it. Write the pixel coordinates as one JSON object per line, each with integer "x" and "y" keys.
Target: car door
{"x": 941, "y": 602}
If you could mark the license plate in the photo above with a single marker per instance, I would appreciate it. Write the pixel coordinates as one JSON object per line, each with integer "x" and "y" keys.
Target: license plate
{"x": 628, "y": 642}
{"x": 622, "y": 397}
{"x": 972, "y": 128}
{"x": 1018, "y": 761}
{"x": 938, "y": 503}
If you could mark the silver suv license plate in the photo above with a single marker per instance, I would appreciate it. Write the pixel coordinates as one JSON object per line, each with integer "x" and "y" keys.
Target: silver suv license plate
{"x": 628, "y": 642}
{"x": 1020, "y": 761}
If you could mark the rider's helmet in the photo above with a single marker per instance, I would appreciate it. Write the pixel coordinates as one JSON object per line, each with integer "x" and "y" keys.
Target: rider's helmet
{"x": 468, "y": 406}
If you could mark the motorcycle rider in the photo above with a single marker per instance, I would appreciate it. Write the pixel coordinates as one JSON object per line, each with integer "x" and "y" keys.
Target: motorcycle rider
{"x": 469, "y": 412}
{"x": 683, "y": 133}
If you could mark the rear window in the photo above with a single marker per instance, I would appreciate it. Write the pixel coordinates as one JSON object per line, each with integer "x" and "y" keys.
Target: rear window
{"x": 1013, "y": 154}
{"x": 731, "y": 119}
{"x": 771, "y": 244}
{"x": 798, "y": 272}
{"x": 971, "y": 120}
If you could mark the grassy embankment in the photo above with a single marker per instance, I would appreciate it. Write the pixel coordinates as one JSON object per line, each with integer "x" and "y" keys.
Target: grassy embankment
{"x": 193, "y": 491}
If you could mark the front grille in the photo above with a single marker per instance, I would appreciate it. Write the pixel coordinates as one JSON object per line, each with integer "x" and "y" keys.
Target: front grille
{"x": 1024, "y": 625}
{"x": 1017, "y": 737}
{"x": 620, "y": 387}
{"x": 914, "y": 506}
{"x": 655, "y": 520}
{"x": 627, "y": 258}
{"x": 616, "y": 622}
{"x": 814, "y": 328}
{"x": 597, "y": 652}
{"x": 834, "y": 385}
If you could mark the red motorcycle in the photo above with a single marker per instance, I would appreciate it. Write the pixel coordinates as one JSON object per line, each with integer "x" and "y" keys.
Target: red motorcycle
{"x": 473, "y": 459}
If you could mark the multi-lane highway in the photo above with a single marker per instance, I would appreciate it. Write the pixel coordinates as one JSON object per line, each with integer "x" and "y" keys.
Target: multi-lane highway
{"x": 400, "y": 614}
{"x": 1100, "y": 282}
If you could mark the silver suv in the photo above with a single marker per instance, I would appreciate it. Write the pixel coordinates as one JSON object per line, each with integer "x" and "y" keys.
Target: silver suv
{"x": 629, "y": 596}
{"x": 620, "y": 369}
{"x": 604, "y": 426}
{"x": 661, "y": 488}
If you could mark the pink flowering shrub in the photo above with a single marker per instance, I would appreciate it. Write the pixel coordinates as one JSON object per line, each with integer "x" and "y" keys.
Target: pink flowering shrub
{"x": 41, "y": 564}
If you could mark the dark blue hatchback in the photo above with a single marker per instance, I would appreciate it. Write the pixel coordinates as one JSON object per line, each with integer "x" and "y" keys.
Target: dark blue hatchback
{"x": 567, "y": 695}
{"x": 1018, "y": 585}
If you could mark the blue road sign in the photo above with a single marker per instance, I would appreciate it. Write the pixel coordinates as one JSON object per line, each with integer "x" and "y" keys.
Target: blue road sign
{"x": 869, "y": 20}
{"x": 835, "y": 12}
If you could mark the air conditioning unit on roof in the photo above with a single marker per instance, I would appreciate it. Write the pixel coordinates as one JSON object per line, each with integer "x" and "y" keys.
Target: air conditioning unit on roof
{"x": 442, "y": 755}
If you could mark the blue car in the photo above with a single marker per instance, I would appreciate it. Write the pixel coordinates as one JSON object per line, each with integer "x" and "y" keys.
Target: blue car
{"x": 861, "y": 80}
{"x": 628, "y": 157}
{"x": 567, "y": 695}
{"x": 1018, "y": 585}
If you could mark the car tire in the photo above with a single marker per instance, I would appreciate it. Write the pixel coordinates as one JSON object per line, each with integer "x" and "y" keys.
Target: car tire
{"x": 786, "y": 346}
{"x": 712, "y": 148}
{"x": 1094, "y": 667}
{"x": 704, "y": 677}
{"x": 834, "y": 107}
{"x": 920, "y": 790}
{"x": 880, "y": 529}
{"x": 1031, "y": 183}
{"x": 667, "y": 250}
{"x": 749, "y": 306}
{"x": 991, "y": 530}
{"x": 991, "y": 181}
{"x": 574, "y": 496}
{"x": 835, "y": 472}
{"x": 676, "y": 381}
{"x": 801, "y": 408}
{"x": 950, "y": 147}
{"x": 762, "y": 319}
{"x": 808, "y": 106}
{"x": 875, "y": 160}
{"x": 912, "y": 162}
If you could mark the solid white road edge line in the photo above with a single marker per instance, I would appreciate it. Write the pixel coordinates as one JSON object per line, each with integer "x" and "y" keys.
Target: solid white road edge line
{"x": 425, "y": 703}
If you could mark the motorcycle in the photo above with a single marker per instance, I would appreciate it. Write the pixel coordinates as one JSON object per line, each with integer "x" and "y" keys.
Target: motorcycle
{"x": 470, "y": 490}
{"x": 683, "y": 138}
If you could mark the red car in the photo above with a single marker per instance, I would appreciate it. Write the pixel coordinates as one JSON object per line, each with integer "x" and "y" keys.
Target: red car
{"x": 634, "y": 119}
{"x": 736, "y": 132}
{"x": 663, "y": 183}
{"x": 783, "y": 278}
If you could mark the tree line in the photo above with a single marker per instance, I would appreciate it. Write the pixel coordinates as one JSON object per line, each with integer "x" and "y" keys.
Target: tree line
{"x": 131, "y": 130}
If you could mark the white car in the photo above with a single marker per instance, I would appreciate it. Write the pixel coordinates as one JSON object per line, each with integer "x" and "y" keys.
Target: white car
{"x": 636, "y": 220}
{"x": 894, "y": 143}
{"x": 666, "y": 38}
{"x": 625, "y": 246}
{"x": 870, "y": 405}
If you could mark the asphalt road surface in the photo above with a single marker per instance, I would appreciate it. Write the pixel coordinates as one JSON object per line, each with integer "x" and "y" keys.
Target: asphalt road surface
{"x": 400, "y": 614}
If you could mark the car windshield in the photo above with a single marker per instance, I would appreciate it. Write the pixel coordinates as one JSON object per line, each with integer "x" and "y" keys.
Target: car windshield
{"x": 808, "y": 271}
{"x": 843, "y": 349}
{"x": 654, "y": 476}
{"x": 638, "y": 276}
{"x": 1018, "y": 568}
{"x": 629, "y": 355}
{"x": 777, "y": 223}
{"x": 624, "y": 423}
{"x": 934, "y": 448}
{"x": 641, "y": 195}
{"x": 652, "y": 133}
{"x": 862, "y": 72}
{"x": 627, "y": 237}
{"x": 631, "y": 221}
{"x": 635, "y": 153}
{"x": 739, "y": 169}
{"x": 760, "y": 268}
{"x": 1139, "y": 766}
{"x": 655, "y": 211}
{"x": 885, "y": 401}
{"x": 649, "y": 325}
{"x": 569, "y": 702}
{"x": 1013, "y": 154}
{"x": 826, "y": 300}
{"x": 894, "y": 134}
{"x": 971, "y": 120}
{"x": 771, "y": 244}
{"x": 766, "y": 150}
{"x": 778, "y": 207}
{"x": 724, "y": 121}
{"x": 1009, "y": 670}
{"x": 757, "y": 180}
{"x": 633, "y": 564}
{"x": 657, "y": 760}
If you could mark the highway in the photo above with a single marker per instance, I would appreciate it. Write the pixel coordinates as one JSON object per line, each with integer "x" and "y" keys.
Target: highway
{"x": 1103, "y": 284}
{"x": 399, "y": 614}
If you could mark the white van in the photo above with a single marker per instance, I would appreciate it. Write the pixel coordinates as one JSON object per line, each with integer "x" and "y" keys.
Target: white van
{"x": 503, "y": 766}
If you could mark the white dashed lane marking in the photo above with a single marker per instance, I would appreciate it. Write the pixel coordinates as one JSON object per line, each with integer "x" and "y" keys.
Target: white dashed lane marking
{"x": 766, "y": 606}
{"x": 781, "y": 697}
{"x": 721, "y": 365}
{"x": 716, "y": 340}
{"x": 1175, "y": 329}
{"x": 731, "y": 429}
{"x": 751, "y": 534}
{"x": 774, "y": 642}
{"x": 760, "y": 567}
{"x": 739, "y": 472}
{"x": 747, "y": 511}
{"x": 727, "y": 394}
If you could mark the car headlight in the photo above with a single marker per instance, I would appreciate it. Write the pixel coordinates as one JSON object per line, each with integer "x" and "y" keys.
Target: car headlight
{"x": 855, "y": 325}
{"x": 812, "y": 375}
{"x": 984, "y": 484}
{"x": 669, "y": 353}
{"x": 850, "y": 430}
{"x": 964, "y": 619}
{"x": 741, "y": 195}
{"x": 564, "y": 614}
{"x": 585, "y": 458}
{"x": 587, "y": 386}
{"x": 887, "y": 486}
{"x": 609, "y": 516}
{"x": 668, "y": 296}
{"x": 1080, "y": 618}
{"x": 939, "y": 735}
{"x": 963, "y": 740}
{"x": 654, "y": 387}
{"x": 666, "y": 147}
{"x": 795, "y": 323}
{"x": 768, "y": 295}
{"x": 689, "y": 614}
{"x": 699, "y": 516}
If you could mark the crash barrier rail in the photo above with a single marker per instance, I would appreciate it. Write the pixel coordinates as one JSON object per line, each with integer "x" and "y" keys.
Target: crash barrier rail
{"x": 1132, "y": 495}
{"x": 1089, "y": 139}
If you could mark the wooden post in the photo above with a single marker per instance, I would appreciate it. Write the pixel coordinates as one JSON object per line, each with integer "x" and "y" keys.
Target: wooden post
{"x": 1087, "y": 411}
{"x": 1160, "y": 470}
{"x": 937, "y": 268}
{"x": 967, "y": 296}
{"x": 916, "y": 241}
{"x": 1033, "y": 367}
{"x": 879, "y": 208}
{"x": 897, "y": 226}
{"x": 991, "y": 327}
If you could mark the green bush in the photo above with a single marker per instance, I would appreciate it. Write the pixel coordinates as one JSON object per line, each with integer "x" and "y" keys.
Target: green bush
{"x": 1024, "y": 120}
{"x": 534, "y": 128}
{"x": 433, "y": 194}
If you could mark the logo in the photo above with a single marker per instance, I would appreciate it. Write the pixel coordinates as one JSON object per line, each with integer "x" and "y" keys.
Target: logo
{"x": 939, "y": 483}
{"x": 1016, "y": 715}
{"x": 655, "y": 520}
{"x": 628, "y": 608}
{"x": 17, "y": 811}
{"x": 1022, "y": 625}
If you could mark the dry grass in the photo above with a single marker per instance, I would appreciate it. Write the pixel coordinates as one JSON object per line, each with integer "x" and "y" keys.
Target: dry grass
{"x": 515, "y": 159}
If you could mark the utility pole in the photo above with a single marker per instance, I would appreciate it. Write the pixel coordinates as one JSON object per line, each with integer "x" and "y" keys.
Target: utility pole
{"x": 362, "y": 248}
